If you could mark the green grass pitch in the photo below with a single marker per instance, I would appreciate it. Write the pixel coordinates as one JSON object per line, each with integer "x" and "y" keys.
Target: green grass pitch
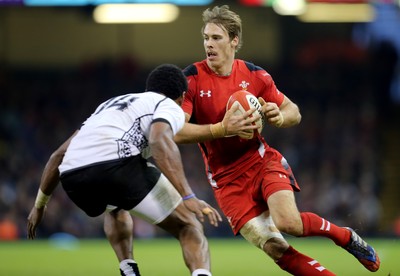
{"x": 162, "y": 257}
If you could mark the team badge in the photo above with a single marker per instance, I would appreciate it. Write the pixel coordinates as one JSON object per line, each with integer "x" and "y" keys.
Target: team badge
{"x": 244, "y": 85}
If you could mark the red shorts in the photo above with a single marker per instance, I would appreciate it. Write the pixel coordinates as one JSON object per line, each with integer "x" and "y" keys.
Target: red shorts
{"x": 246, "y": 196}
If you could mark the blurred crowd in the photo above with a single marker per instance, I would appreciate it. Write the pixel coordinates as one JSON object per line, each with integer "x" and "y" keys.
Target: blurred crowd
{"x": 334, "y": 152}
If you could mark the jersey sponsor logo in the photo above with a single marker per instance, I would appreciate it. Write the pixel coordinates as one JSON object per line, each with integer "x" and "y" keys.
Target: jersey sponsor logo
{"x": 205, "y": 94}
{"x": 244, "y": 85}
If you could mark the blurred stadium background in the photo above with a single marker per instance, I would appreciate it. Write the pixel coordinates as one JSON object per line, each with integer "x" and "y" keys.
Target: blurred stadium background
{"x": 57, "y": 64}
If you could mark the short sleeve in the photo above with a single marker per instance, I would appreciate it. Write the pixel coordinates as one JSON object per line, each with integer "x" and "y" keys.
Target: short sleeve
{"x": 171, "y": 112}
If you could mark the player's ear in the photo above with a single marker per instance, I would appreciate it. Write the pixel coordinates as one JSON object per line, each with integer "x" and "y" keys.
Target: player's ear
{"x": 179, "y": 100}
{"x": 235, "y": 42}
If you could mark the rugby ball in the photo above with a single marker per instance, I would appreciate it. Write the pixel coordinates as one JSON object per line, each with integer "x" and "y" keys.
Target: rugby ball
{"x": 246, "y": 101}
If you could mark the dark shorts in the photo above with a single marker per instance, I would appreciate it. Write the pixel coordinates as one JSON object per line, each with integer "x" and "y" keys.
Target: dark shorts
{"x": 122, "y": 183}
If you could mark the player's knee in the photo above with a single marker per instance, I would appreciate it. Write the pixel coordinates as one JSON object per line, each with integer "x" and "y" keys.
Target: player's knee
{"x": 275, "y": 248}
{"x": 193, "y": 225}
{"x": 191, "y": 230}
{"x": 181, "y": 223}
{"x": 118, "y": 224}
{"x": 259, "y": 230}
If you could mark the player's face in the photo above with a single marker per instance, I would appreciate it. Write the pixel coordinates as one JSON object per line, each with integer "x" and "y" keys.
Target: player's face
{"x": 220, "y": 50}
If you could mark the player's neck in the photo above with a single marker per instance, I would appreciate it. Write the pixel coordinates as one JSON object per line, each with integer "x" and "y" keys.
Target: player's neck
{"x": 224, "y": 70}
{"x": 224, "y": 74}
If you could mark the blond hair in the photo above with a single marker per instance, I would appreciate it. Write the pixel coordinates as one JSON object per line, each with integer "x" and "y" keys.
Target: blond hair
{"x": 225, "y": 18}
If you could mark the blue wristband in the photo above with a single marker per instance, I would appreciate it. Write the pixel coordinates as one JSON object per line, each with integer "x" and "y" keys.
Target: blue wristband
{"x": 188, "y": 196}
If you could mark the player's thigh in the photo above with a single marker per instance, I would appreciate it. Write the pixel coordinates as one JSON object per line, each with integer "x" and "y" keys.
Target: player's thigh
{"x": 159, "y": 203}
{"x": 283, "y": 209}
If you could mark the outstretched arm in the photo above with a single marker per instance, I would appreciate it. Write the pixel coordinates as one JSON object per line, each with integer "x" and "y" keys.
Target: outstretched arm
{"x": 168, "y": 159}
{"x": 48, "y": 182}
{"x": 230, "y": 125}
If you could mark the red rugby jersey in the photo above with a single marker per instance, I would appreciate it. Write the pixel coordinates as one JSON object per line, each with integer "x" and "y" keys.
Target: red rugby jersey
{"x": 206, "y": 100}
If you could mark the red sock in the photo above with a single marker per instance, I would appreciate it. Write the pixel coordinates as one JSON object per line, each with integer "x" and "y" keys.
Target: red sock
{"x": 314, "y": 225}
{"x": 298, "y": 264}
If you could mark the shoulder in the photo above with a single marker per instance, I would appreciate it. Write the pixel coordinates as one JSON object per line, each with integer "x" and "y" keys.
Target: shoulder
{"x": 250, "y": 66}
{"x": 195, "y": 69}
{"x": 170, "y": 112}
{"x": 190, "y": 70}
{"x": 150, "y": 102}
{"x": 256, "y": 71}
{"x": 165, "y": 103}
{"x": 150, "y": 97}
{"x": 254, "y": 68}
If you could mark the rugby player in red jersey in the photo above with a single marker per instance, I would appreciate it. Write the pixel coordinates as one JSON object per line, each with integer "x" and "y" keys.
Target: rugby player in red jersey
{"x": 252, "y": 182}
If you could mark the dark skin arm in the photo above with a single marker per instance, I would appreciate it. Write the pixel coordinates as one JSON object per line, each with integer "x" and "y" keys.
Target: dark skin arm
{"x": 48, "y": 183}
{"x": 168, "y": 159}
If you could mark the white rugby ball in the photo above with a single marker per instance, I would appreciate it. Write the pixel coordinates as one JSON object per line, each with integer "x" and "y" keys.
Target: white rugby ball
{"x": 246, "y": 101}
